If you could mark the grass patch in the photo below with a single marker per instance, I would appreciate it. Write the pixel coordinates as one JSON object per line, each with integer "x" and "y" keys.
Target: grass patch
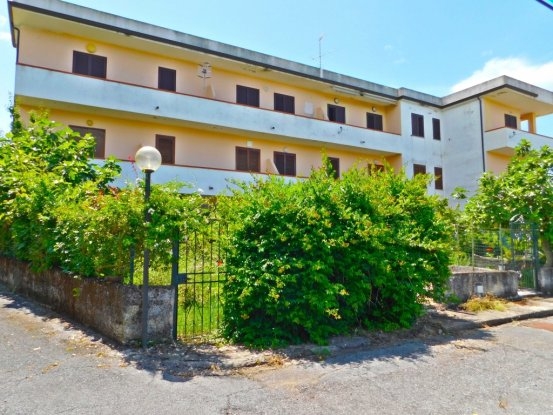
{"x": 487, "y": 302}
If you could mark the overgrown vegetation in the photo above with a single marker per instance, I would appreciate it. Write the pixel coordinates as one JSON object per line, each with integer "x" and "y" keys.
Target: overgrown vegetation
{"x": 487, "y": 302}
{"x": 57, "y": 208}
{"x": 316, "y": 258}
{"x": 523, "y": 193}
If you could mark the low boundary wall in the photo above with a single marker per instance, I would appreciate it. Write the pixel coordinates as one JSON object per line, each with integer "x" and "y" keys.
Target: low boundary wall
{"x": 111, "y": 308}
{"x": 464, "y": 281}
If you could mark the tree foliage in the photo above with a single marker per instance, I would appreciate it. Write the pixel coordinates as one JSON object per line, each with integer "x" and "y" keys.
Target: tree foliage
{"x": 524, "y": 190}
{"x": 318, "y": 257}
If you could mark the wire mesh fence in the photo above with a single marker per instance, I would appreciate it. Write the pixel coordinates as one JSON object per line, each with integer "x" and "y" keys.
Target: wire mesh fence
{"x": 511, "y": 248}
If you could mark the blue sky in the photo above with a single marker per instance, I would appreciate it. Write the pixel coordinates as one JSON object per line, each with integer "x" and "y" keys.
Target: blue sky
{"x": 432, "y": 46}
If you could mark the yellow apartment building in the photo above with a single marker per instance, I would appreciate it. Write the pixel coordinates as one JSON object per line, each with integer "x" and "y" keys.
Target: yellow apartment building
{"x": 218, "y": 112}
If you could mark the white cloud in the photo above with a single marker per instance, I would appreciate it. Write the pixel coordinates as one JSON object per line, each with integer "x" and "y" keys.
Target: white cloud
{"x": 3, "y": 20}
{"x": 5, "y": 37}
{"x": 536, "y": 74}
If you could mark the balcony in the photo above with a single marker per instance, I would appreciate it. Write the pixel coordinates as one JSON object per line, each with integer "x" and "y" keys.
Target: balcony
{"x": 504, "y": 140}
{"x": 53, "y": 89}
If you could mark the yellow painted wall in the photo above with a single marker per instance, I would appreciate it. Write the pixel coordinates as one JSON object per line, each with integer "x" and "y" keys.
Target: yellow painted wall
{"x": 494, "y": 114}
{"x": 55, "y": 51}
{"x": 497, "y": 163}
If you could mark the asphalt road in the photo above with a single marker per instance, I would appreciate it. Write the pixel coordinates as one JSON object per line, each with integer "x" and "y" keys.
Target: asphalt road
{"x": 49, "y": 366}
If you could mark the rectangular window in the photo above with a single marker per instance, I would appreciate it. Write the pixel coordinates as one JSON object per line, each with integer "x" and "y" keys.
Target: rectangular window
{"x": 88, "y": 64}
{"x": 285, "y": 163}
{"x": 285, "y": 103}
{"x": 335, "y": 163}
{"x": 247, "y": 96}
{"x": 248, "y": 159}
{"x": 374, "y": 121}
{"x": 99, "y": 138}
{"x": 375, "y": 168}
{"x": 436, "y": 129}
{"x": 438, "y": 178}
{"x": 510, "y": 121}
{"x": 417, "y": 125}
{"x": 167, "y": 79}
{"x": 166, "y": 146}
{"x": 419, "y": 169}
{"x": 337, "y": 113}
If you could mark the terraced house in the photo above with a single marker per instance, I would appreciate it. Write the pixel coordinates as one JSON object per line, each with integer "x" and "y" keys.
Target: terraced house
{"x": 219, "y": 112}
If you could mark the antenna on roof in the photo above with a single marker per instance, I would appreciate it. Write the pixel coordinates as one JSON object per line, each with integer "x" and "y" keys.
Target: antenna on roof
{"x": 321, "y": 55}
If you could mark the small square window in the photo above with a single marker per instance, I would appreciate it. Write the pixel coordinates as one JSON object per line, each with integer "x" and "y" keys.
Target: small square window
{"x": 248, "y": 159}
{"x": 419, "y": 169}
{"x": 285, "y": 163}
{"x": 88, "y": 64}
{"x": 337, "y": 113}
{"x": 247, "y": 96}
{"x": 285, "y": 103}
{"x": 374, "y": 121}
{"x": 99, "y": 138}
{"x": 511, "y": 121}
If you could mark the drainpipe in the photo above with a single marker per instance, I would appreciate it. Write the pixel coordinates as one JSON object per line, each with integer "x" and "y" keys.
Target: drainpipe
{"x": 482, "y": 135}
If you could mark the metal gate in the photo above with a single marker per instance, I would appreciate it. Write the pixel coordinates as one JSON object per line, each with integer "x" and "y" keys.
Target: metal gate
{"x": 524, "y": 251}
{"x": 198, "y": 275}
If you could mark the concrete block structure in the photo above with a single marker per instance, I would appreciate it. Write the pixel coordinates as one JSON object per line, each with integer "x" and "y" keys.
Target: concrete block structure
{"x": 218, "y": 112}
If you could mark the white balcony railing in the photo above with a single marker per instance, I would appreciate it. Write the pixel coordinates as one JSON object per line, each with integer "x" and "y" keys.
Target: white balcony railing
{"x": 64, "y": 90}
{"x": 504, "y": 140}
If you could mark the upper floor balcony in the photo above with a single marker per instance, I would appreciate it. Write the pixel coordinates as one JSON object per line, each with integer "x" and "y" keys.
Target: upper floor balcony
{"x": 504, "y": 140}
{"x": 42, "y": 87}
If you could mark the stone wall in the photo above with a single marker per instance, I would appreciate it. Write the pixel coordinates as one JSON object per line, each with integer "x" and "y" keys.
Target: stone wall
{"x": 463, "y": 282}
{"x": 113, "y": 309}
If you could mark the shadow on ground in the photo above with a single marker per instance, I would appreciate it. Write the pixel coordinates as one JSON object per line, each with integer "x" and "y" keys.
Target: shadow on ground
{"x": 177, "y": 362}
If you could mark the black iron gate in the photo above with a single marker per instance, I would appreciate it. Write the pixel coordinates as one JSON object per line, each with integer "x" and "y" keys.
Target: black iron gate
{"x": 198, "y": 275}
{"x": 524, "y": 251}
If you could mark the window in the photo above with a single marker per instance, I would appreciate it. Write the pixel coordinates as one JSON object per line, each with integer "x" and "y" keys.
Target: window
{"x": 167, "y": 79}
{"x": 285, "y": 103}
{"x": 99, "y": 138}
{"x": 374, "y": 121}
{"x": 247, "y": 96}
{"x": 438, "y": 178}
{"x": 166, "y": 146}
{"x": 417, "y": 125}
{"x": 436, "y": 130}
{"x": 285, "y": 163}
{"x": 510, "y": 121}
{"x": 248, "y": 159}
{"x": 335, "y": 163}
{"x": 419, "y": 169}
{"x": 373, "y": 168}
{"x": 337, "y": 113}
{"x": 87, "y": 64}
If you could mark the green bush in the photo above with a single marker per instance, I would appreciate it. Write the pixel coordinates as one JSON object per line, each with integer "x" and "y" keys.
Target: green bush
{"x": 315, "y": 258}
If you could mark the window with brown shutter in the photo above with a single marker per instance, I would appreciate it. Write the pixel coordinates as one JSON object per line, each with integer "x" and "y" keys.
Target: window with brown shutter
{"x": 336, "y": 113}
{"x": 167, "y": 79}
{"x": 510, "y": 121}
{"x": 284, "y": 103}
{"x": 335, "y": 163}
{"x": 419, "y": 169}
{"x": 247, "y": 96}
{"x": 285, "y": 163}
{"x": 417, "y": 125}
{"x": 436, "y": 129}
{"x": 99, "y": 139}
{"x": 88, "y": 64}
{"x": 374, "y": 121}
{"x": 438, "y": 179}
{"x": 248, "y": 159}
{"x": 166, "y": 146}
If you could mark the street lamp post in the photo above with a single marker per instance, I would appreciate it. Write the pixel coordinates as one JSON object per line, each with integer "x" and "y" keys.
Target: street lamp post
{"x": 148, "y": 159}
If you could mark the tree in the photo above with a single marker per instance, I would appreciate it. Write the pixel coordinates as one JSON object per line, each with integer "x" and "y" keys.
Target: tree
{"x": 524, "y": 189}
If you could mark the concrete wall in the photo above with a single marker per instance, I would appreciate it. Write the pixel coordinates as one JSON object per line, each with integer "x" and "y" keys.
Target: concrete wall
{"x": 545, "y": 280}
{"x": 113, "y": 309}
{"x": 504, "y": 284}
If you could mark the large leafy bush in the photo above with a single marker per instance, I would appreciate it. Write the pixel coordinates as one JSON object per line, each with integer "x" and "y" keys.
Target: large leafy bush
{"x": 315, "y": 258}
